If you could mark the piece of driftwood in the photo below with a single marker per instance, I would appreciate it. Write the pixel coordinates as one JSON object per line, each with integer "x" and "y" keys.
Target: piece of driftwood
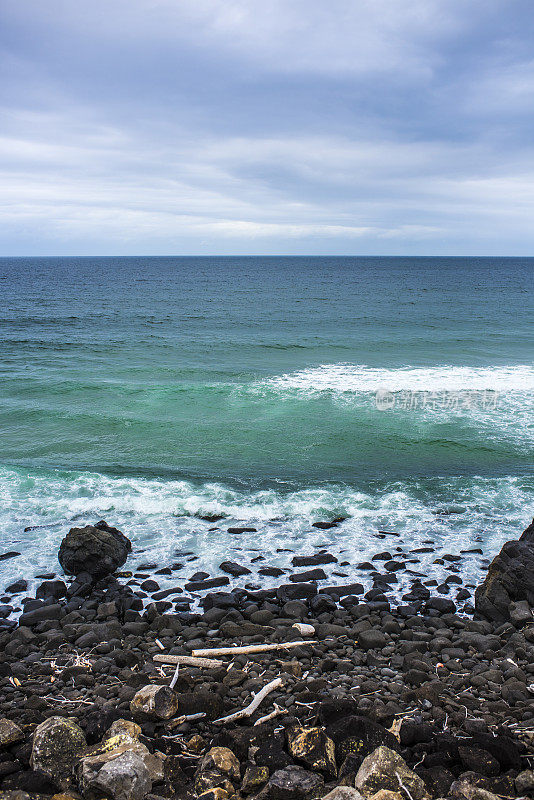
{"x": 253, "y": 705}
{"x": 188, "y": 661}
{"x": 250, "y": 648}
{"x": 172, "y": 684}
{"x": 304, "y": 629}
{"x": 278, "y": 710}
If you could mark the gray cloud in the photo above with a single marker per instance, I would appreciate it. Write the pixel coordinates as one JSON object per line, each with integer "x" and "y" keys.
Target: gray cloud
{"x": 283, "y": 126}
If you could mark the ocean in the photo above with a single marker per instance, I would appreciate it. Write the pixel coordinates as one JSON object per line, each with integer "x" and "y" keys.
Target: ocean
{"x": 395, "y": 392}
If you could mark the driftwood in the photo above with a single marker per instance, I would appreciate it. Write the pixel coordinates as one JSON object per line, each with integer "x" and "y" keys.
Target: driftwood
{"x": 188, "y": 661}
{"x": 278, "y": 710}
{"x": 251, "y": 648}
{"x": 253, "y": 705}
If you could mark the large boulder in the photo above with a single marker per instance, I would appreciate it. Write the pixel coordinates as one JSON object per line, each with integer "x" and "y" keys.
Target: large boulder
{"x": 57, "y": 744}
{"x": 510, "y": 579}
{"x": 96, "y": 549}
{"x": 385, "y": 769}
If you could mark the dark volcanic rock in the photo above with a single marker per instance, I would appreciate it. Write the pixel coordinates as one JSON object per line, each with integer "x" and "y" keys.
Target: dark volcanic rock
{"x": 313, "y": 561}
{"x": 510, "y": 578}
{"x": 233, "y": 568}
{"x": 96, "y": 549}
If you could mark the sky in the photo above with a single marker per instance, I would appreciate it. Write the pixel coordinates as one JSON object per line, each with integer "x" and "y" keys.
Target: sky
{"x": 178, "y": 127}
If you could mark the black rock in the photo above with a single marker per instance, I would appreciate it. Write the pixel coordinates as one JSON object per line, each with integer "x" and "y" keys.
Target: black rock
{"x": 274, "y": 572}
{"x": 441, "y": 604}
{"x": 297, "y": 591}
{"x": 96, "y": 549}
{"x": 19, "y": 586}
{"x": 233, "y": 568}
{"x": 324, "y": 526}
{"x": 55, "y": 589}
{"x": 211, "y": 583}
{"x": 310, "y": 575}
{"x": 9, "y": 554}
{"x": 242, "y": 530}
{"x": 359, "y": 736}
{"x": 313, "y": 561}
{"x": 510, "y": 578}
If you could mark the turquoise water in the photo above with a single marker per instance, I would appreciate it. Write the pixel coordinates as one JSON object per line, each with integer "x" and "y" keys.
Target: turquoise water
{"x": 151, "y": 390}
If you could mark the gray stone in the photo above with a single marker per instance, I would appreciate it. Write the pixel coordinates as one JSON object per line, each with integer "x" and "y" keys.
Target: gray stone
{"x": 120, "y": 775}
{"x": 9, "y": 733}
{"x": 386, "y": 769}
{"x": 295, "y": 783}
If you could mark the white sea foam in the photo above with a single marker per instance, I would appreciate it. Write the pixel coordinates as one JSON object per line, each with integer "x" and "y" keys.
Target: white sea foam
{"x": 158, "y": 515}
{"x": 357, "y": 378}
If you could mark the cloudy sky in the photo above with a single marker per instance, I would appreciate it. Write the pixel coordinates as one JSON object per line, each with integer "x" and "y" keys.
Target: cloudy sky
{"x": 267, "y": 126}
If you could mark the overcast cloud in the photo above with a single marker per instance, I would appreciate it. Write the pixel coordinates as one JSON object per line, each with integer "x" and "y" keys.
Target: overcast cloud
{"x": 267, "y": 126}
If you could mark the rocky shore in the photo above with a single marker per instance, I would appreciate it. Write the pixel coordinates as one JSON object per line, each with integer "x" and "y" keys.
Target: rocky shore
{"x": 355, "y": 697}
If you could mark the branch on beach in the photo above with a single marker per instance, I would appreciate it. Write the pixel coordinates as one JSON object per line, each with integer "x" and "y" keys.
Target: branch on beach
{"x": 251, "y": 648}
{"x": 188, "y": 661}
{"x": 253, "y": 705}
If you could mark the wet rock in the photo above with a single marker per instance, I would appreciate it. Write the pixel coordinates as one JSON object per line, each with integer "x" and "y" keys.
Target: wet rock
{"x": 241, "y": 530}
{"x": 313, "y": 561}
{"x": 297, "y": 591}
{"x": 295, "y": 783}
{"x": 274, "y": 572}
{"x": 313, "y": 748}
{"x": 221, "y": 759}
{"x": 386, "y": 769}
{"x": 30, "y": 618}
{"x": 9, "y": 733}
{"x": 57, "y": 743}
{"x": 96, "y": 549}
{"x": 18, "y": 586}
{"x": 116, "y": 775}
{"x": 310, "y": 575}
{"x": 510, "y": 578}
{"x": 441, "y": 604}
{"x": 209, "y": 583}
{"x": 154, "y": 702}
{"x": 233, "y": 568}
{"x": 520, "y": 613}
{"x": 8, "y": 555}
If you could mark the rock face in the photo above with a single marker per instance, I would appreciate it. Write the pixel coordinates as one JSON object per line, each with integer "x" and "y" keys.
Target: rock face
{"x": 96, "y": 549}
{"x": 510, "y": 579}
{"x": 57, "y": 743}
{"x": 385, "y": 769}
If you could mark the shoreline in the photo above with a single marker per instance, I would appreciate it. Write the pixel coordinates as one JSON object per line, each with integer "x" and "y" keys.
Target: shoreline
{"x": 436, "y": 686}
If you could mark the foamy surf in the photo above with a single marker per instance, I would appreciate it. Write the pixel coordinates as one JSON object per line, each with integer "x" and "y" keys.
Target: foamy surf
{"x": 163, "y": 519}
{"x": 356, "y": 378}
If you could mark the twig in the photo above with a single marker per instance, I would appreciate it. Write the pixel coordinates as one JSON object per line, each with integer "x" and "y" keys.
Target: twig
{"x": 402, "y": 786}
{"x": 253, "y": 705}
{"x": 251, "y": 648}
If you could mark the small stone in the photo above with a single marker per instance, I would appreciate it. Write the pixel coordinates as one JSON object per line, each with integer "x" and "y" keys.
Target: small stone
{"x": 120, "y": 776}
{"x": 295, "y": 783}
{"x": 222, "y": 760}
{"x": 9, "y": 733}
{"x": 154, "y": 702}
{"x": 254, "y": 778}
{"x": 233, "y": 568}
{"x": 207, "y": 780}
{"x": 372, "y": 639}
{"x": 386, "y": 769}
{"x": 524, "y": 782}
{"x": 343, "y": 793}
{"x": 57, "y": 744}
{"x": 313, "y": 747}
